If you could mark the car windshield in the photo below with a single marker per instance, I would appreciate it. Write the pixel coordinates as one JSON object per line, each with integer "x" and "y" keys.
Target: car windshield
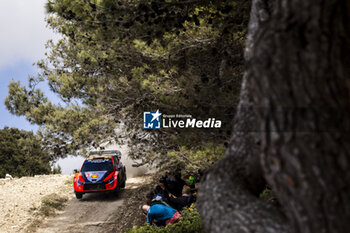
{"x": 97, "y": 165}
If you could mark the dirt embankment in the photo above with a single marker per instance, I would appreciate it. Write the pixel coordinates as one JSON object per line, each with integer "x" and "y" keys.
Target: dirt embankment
{"x": 130, "y": 214}
{"x": 20, "y": 198}
{"x": 102, "y": 212}
{"x": 21, "y": 206}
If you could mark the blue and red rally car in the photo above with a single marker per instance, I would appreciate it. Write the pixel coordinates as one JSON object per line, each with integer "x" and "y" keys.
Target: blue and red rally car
{"x": 101, "y": 173}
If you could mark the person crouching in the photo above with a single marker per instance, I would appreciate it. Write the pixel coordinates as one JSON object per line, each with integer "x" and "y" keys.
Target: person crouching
{"x": 161, "y": 214}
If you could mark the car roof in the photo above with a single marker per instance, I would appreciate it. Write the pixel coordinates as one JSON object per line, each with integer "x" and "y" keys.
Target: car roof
{"x": 100, "y": 157}
{"x": 105, "y": 152}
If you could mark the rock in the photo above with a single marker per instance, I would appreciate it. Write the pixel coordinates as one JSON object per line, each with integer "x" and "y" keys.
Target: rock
{"x": 8, "y": 176}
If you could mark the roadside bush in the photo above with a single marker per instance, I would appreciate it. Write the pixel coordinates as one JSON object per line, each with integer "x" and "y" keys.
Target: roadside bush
{"x": 190, "y": 223}
{"x": 51, "y": 203}
{"x": 69, "y": 181}
{"x": 57, "y": 170}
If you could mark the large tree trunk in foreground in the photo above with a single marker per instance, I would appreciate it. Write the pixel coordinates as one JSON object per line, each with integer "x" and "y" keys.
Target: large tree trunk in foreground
{"x": 296, "y": 92}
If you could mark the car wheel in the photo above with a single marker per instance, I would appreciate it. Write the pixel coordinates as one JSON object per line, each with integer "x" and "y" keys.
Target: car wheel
{"x": 78, "y": 195}
{"x": 122, "y": 185}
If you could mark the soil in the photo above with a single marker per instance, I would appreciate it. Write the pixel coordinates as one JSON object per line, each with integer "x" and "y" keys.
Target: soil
{"x": 21, "y": 197}
{"x": 20, "y": 201}
{"x": 102, "y": 212}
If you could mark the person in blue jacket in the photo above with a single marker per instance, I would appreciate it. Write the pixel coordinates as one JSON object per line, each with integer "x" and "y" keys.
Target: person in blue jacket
{"x": 160, "y": 214}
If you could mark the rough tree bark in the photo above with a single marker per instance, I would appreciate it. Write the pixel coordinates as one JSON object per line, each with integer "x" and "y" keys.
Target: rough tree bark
{"x": 228, "y": 193}
{"x": 297, "y": 91}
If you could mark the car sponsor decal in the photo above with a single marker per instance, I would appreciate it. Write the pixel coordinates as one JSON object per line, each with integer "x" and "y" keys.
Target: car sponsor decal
{"x": 94, "y": 176}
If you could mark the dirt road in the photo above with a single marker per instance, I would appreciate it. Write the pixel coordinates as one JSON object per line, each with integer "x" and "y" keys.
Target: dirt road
{"x": 101, "y": 212}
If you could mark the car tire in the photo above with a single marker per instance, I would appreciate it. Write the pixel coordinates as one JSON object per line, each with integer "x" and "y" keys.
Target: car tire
{"x": 78, "y": 195}
{"x": 123, "y": 184}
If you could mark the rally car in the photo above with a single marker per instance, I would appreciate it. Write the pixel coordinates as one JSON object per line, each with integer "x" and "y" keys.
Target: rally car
{"x": 103, "y": 172}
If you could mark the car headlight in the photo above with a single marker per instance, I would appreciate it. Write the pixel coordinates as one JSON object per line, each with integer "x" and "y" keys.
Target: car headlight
{"x": 80, "y": 182}
{"x": 110, "y": 180}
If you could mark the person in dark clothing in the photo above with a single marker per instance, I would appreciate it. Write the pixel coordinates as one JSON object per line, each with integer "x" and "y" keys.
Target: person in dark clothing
{"x": 183, "y": 201}
{"x": 159, "y": 199}
{"x": 193, "y": 195}
{"x": 173, "y": 185}
{"x": 167, "y": 183}
{"x": 180, "y": 183}
{"x": 160, "y": 189}
{"x": 149, "y": 197}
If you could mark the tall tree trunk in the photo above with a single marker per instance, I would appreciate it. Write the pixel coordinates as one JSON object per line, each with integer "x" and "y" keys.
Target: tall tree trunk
{"x": 228, "y": 193}
{"x": 298, "y": 79}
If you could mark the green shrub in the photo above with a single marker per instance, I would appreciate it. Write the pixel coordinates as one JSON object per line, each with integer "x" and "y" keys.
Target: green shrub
{"x": 22, "y": 154}
{"x": 266, "y": 195}
{"x": 190, "y": 160}
{"x": 190, "y": 223}
{"x": 57, "y": 170}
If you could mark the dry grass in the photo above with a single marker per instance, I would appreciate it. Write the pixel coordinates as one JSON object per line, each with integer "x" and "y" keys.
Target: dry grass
{"x": 69, "y": 181}
{"x": 49, "y": 205}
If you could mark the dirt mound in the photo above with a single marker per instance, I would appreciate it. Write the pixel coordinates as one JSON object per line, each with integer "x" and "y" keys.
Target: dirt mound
{"x": 100, "y": 212}
{"x": 130, "y": 214}
{"x": 20, "y": 197}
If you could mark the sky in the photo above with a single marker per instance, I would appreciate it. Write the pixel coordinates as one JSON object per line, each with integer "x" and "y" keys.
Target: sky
{"x": 22, "y": 43}
{"x": 23, "y": 35}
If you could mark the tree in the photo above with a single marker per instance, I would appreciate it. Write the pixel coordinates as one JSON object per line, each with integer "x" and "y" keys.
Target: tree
{"x": 57, "y": 170}
{"x": 291, "y": 128}
{"x": 21, "y": 154}
{"x": 120, "y": 58}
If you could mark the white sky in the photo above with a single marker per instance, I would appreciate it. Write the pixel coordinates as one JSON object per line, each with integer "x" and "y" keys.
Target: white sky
{"x": 23, "y": 31}
{"x": 23, "y": 35}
